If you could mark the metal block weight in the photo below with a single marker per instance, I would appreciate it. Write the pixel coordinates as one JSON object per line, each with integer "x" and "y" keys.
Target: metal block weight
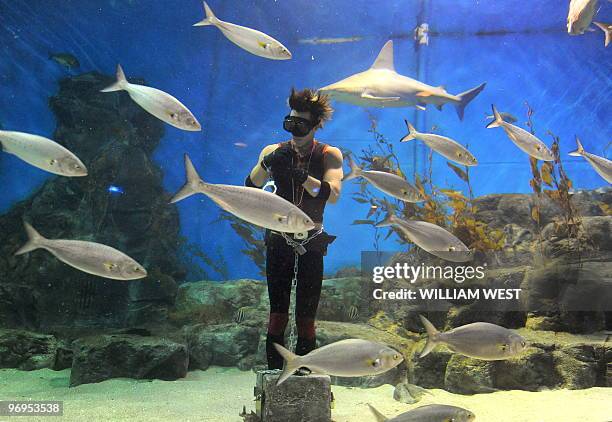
{"x": 298, "y": 399}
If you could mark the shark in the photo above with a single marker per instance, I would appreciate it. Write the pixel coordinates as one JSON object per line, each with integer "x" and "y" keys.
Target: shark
{"x": 381, "y": 86}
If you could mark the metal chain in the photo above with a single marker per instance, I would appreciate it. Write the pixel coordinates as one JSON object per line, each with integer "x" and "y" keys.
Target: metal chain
{"x": 294, "y": 280}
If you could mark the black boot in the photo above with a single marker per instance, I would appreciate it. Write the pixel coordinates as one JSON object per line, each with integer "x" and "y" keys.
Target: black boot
{"x": 305, "y": 346}
{"x": 275, "y": 360}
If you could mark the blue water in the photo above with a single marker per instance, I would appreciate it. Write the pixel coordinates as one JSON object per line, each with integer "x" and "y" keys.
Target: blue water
{"x": 522, "y": 51}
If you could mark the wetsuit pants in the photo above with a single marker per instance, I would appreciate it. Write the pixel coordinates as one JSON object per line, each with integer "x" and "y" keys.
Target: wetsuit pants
{"x": 279, "y": 270}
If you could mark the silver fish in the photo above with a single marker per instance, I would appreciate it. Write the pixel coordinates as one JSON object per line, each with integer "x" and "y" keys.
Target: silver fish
{"x": 480, "y": 340}
{"x": 344, "y": 358}
{"x": 389, "y": 183}
{"x": 431, "y": 238}
{"x": 43, "y": 153}
{"x": 602, "y": 165}
{"x": 159, "y": 103}
{"x": 256, "y": 206}
{"x": 89, "y": 257}
{"x": 523, "y": 139}
{"x": 329, "y": 40}
{"x": 255, "y": 42}
{"x": 580, "y": 15}
{"x": 607, "y": 29}
{"x": 447, "y": 147}
{"x": 510, "y": 118}
{"x": 429, "y": 413}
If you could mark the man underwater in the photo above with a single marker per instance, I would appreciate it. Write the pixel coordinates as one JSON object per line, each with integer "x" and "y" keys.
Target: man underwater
{"x": 307, "y": 173}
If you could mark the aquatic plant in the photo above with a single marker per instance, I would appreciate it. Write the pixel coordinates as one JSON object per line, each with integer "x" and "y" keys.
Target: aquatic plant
{"x": 447, "y": 208}
{"x": 553, "y": 175}
{"x": 253, "y": 238}
{"x": 193, "y": 256}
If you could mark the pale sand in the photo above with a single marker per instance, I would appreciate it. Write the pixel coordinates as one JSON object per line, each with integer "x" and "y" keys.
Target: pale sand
{"x": 218, "y": 394}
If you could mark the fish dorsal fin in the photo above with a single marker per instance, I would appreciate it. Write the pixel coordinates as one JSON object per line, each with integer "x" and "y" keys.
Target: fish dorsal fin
{"x": 385, "y": 57}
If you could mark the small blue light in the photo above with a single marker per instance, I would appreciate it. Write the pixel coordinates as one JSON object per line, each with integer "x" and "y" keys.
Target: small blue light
{"x": 115, "y": 189}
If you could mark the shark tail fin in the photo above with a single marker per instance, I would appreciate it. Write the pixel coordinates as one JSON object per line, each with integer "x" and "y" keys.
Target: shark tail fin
{"x": 607, "y": 29}
{"x": 355, "y": 170}
{"x": 121, "y": 82}
{"x": 210, "y": 18}
{"x": 379, "y": 416}
{"x": 578, "y": 152}
{"x": 193, "y": 179}
{"x": 466, "y": 97}
{"x": 35, "y": 240}
{"x": 497, "y": 118}
{"x": 412, "y": 132}
{"x": 292, "y": 363}
{"x": 432, "y": 333}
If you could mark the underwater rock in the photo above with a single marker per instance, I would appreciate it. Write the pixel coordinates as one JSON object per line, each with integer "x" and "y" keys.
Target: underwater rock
{"x": 568, "y": 297}
{"x": 211, "y": 302}
{"x": 18, "y": 306}
{"x": 341, "y": 300}
{"x": 429, "y": 371}
{"x": 222, "y": 345}
{"x": 408, "y": 393}
{"x": 578, "y": 366}
{"x": 533, "y": 369}
{"x": 98, "y": 358}
{"x": 466, "y": 375}
{"x": 115, "y": 139}
{"x": 63, "y": 356}
{"x": 26, "y": 350}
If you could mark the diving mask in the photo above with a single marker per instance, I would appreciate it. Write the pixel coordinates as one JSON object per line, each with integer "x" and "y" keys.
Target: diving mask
{"x": 298, "y": 126}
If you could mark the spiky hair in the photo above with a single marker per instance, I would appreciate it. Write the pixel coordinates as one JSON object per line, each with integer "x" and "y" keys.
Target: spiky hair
{"x": 310, "y": 100}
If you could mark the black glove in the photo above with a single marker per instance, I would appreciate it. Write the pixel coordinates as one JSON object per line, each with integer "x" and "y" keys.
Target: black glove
{"x": 299, "y": 175}
{"x": 279, "y": 160}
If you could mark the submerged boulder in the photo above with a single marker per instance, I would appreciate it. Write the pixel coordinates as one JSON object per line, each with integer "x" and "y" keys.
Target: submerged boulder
{"x": 222, "y": 345}
{"x": 466, "y": 375}
{"x": 115, "y": 138}
{"x": 26, "y": 350}
{"x": 98, "y": 358}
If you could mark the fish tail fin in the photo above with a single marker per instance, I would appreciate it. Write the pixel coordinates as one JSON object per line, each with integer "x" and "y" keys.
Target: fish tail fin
{"x": 121, "y": 82}
{"x": 466, "y": 97}
{"x": 379, "y": 416}
{"x": 580, "y": 151}
{"x": 432, "y": 333}
{"x": 210, "y": 18}
{"x": 497, "y": 118}
{"x": 193, "y": 179}
{"x": 607, "y": 29}
{"x": 292, "y": 363}
{"x": 355, "y": 170}
{"x": 412, "y": 132}
{"x": 35, "y": 240}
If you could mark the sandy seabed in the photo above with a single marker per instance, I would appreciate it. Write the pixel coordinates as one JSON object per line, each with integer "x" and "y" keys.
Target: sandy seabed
{"x": 218, "y": 394}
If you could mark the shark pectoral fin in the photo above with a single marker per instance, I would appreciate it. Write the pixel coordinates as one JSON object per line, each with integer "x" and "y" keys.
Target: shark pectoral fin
{"x": 369, "y": 96}
{"x": 424, "y": 94}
